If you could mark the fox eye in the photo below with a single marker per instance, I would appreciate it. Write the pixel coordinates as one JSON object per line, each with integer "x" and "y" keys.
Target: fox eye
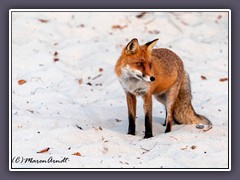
{"x": 139, "y": 64}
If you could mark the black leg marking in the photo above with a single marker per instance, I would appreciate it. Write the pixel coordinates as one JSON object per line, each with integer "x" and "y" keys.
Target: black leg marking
{"x": 131, "y": 127}
{"x": 164, "y": 124}
{"x": 168, "y": 129}
{"x": 148, "y": 127}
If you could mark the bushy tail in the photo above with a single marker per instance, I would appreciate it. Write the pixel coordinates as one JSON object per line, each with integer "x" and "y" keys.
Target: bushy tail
{"x": 204, "y": 120}
{"x": 183, "y": 110}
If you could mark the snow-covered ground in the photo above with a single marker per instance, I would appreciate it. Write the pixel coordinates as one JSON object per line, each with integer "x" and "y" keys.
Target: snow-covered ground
{"x": 66, "y": 96}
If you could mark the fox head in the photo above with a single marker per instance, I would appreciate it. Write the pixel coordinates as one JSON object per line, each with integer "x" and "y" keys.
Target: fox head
{"x": 135, "y": 60}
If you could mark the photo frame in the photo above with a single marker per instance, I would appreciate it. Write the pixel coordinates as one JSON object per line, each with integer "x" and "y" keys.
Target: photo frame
{"x": 58, "y": 58}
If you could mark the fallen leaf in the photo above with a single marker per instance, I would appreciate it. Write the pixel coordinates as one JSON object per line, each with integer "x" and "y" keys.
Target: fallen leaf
{"x": 44, "y": 150}
{"x": 80, "y": 81}
{"x": 141, "y": 14}
{"x": 21, "y": 81}
{"x": 203, "y": 77}
{"x": 193, "y": 147}
{"x": 55, "y": 53}
{"x": 184, "y": 148}
{"x": 100, "y": 70}
{"x": 56, "y": 59}
{"x": 118, "y": 27}
{"x": 89, "y": 84}
{"x": 105, "y": 150}
{"x": 43, "y": 20}
{"x": 100, "y": 128}
{"x": 118, "y": 120}
{"x": 76, "y": 154}
{"x": 223, "y": 79}
{"x": 219, "y": 17}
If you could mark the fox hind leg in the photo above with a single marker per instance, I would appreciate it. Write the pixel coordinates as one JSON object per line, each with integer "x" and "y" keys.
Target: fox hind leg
{"x": 171, "y": 97}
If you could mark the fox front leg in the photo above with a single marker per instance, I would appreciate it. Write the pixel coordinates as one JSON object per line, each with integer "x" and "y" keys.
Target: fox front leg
{"x": 131, "y": 102}
{"x": 148, "y": 115}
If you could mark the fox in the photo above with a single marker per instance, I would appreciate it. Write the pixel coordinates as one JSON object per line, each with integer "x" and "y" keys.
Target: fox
{"x": 145, "y": 71}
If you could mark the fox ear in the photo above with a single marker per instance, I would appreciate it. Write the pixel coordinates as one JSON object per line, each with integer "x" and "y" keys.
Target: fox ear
{"x": 132, "y": 46}
{"x": 151, "y": 44}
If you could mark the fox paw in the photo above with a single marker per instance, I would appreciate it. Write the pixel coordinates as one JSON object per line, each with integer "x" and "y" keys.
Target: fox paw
{"x": 148, "y": 135}
{"x": 131, "y": 132}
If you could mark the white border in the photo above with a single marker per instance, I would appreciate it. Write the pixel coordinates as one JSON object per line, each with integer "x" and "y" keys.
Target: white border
{"x": 10, "y": 89}
{"x": 229, "y": 90}
{"x": 118, "y": 10}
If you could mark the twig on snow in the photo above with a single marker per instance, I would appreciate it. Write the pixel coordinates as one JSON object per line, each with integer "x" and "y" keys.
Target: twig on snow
{"x": 147, "y": 150}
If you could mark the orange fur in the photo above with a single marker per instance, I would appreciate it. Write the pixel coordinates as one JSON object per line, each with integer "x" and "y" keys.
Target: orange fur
{"x": 145, "y": 71}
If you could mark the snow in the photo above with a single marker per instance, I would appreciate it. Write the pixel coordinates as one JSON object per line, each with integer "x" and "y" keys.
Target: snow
{"x": 59, "y": 109}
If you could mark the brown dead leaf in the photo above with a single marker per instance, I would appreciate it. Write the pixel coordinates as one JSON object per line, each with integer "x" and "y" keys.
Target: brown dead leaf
{"x": 100, "y": 128}
{"x": 43, "y": 20}
{"x": 44, "y": 150}
{"x": 184, "y": 148}
{"x": 55, "y": 59}
{"x": 223, "y": 79}
{"x": 80, "y": 81}
{"x": 77, "y": 154}
{"x": 100, "y": 70}
{"x": 21, "y": 81}
{"x": 203, "y": 77}
{"x": 105, "y": 150}
{"x": 219, "y": 17}
{"x": 55, "y": 53}
{"x": 119, "y": 27}
{"x": 193, "y": 147}
{"x": 141, "y": 14}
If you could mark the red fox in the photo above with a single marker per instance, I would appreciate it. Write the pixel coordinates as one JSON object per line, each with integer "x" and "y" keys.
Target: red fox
{"x": 144, "y": 71}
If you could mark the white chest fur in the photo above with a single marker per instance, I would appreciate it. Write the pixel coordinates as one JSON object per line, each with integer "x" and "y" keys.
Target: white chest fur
{"x": 132, "y": 83}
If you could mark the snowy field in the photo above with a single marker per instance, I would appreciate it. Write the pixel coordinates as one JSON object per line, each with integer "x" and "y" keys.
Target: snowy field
{"x": 67, "y": 98}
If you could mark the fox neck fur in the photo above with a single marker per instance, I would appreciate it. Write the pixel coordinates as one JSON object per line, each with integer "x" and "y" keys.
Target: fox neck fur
{"x": 132, "y": 81}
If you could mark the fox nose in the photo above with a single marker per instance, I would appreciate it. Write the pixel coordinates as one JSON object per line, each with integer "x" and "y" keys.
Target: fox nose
{"x": 152, "y": 78}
